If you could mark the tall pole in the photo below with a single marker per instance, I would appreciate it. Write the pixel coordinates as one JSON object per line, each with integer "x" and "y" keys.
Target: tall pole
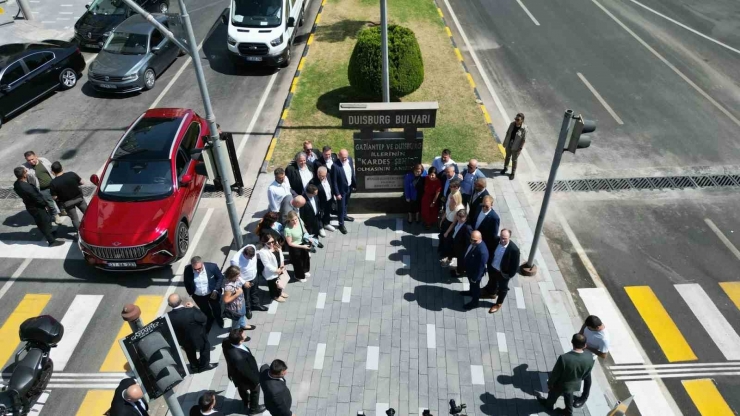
{"x": 385, "y": 80}
{"x": 26, "y": 9}
{"x": 529, "y": 269}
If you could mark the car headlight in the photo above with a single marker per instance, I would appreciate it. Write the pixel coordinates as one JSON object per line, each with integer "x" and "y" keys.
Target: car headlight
{"x": 276, "y": 42}
{"x": 106, "y": 34}
{"x": 231, "y": 41}
{"x": 130, "y": 77}
{"x": 158, "y": 240}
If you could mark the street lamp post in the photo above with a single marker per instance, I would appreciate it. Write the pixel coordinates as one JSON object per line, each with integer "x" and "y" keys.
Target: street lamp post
{"x": 385, "y": 77}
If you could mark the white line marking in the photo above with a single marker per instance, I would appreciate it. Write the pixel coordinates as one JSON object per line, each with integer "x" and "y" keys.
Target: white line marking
{"x": 318, "y": 361}
{"x": 256, "y": 114}
{"x": 84, "y": 380}
{"x": 421, "y": 410}
{"x": 321, "y": 301}
{"x": 370, "y": 252}
{"x": 346, "y": 294}
{"x": 431, "y": 336}
{"x": 399, "y": 225}
{"x": 649, "y": 398}
{"x": 177, "y": 75}
{"x": 686, "y": 27}
{"x": 406, "y": 261}
{"x": 14, "y": 276}
{"x": 39, "y": 250}
{"x": 64, "y": 18}
{"x": 48, "y": 21}
{"x": 84, "y": 386}
{"x": 380, "y": 408}
{"x": 722, "y": 237}
{"x": 526, "y": 10}
{"x": 681, "y": 375}
{"x": 75, "y": 321}
{"x": 662, "y": 371}
{"x": 272, "y": 309}
{"x": 476, "y": 375}
{"x": 600, "y": 98}
{"x": 501, "y": 339}
{"x": 645, "y": 366}
{"x": 65, "y": 12}
{"x": 519, "y": 295}
{"x": 719, "y": 330}
{"x": 273, "y": 338}
{"x": 65, "y": 5}
{"x": 670, "y": 65}
{"x": 622, "y": 348}
{"x": 373, "y": 355}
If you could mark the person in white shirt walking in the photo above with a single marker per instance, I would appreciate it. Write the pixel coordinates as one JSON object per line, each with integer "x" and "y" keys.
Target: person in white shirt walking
{"x": 246, "y": 260}
{"x": 278, "y": 190}
{"x": 597, "y": 342}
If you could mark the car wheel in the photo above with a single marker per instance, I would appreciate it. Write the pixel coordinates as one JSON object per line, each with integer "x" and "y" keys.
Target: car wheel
{"x": 149, "y": 79}
{"x": 163, "y": 7}
{"x": 287, "y": 56}
{"x": 68, "y": 78}
{"x": 182, "y": 239}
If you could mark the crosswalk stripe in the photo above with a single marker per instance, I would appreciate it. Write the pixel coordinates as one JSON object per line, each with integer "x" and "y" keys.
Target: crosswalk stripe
{"x": 31, "y": 305}
{"x": 622, "y": 348}
{"x": 664, "y": 330}
{"x": 707, "y": 398}
{"x": 115, "y": 361}
{"x": 96, "y": 402}
{"x": 719, "y": 330}
{"x": 732, "y": 289}
{"x": 75, "y": 322}
{"x": 649, "y": 398}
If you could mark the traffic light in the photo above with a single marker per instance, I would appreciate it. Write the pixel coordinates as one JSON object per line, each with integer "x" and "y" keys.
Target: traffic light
{"x": 160, "y": 364}
{"x": 577, "y": 135}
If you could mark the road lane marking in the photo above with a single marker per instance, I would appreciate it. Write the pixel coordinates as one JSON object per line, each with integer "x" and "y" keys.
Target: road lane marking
{"x": 669, "y": 65}
{"x": 318, "y": 361}
{"x": 75, "y": 321}
{"x": 661, "y": 366}
{"x": 661, "y": 371}
{"x": 30, "y": 306}
{"x": 501, "y": 341}
{"x": 373, "y": 356}
{"x": 346, "y": 294}
{"x": 431, "y": 336}
{"x": 649, "y": 398}
{"x": 40, "y": 402}
{"x": 707, "y": 398}
{"x": 96, "y": 402}
{"x": 257, "y": 113}
{"x": 476, "y": 375}
{"x": 115, "y": 361}
{"x": 321, "y": 300}
{"x": 526, "y": 10}
{"x": 723, "y": 238}
{"x": 622, "y": 348}
{"x": 272, "y": 309}
{"x": 519, "y": 295}
{"x": 273, "y": 338}
{"x": 370, "y": 252}
{"x": 732, "y": 289}
{"x": 39, "y": 250}
{"x": 177, "y": 75}
{"x": 719, "y": 330}
{"x": 15, "y": 276}
{"x": 664, "y": 330}
{"x": 381, "y": 408}
{"x": 600, "y": 98}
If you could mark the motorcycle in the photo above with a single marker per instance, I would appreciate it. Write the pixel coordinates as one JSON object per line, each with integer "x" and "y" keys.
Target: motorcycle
{"x": 32, "y": 372}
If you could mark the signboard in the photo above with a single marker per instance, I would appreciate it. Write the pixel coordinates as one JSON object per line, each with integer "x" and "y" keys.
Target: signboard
{"x": 381, "y": 163}
{"x": 377, "y": 116}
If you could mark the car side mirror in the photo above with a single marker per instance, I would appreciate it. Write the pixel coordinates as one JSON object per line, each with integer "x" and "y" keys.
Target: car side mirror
{"x": 291, "y": 22}
{"x": 94, "y": 179}
{"x": 224, "y": 19}
{"x": 186, "y": 179}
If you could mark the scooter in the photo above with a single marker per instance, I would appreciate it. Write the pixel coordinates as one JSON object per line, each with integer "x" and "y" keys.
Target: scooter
{"x": 32, "y": 372}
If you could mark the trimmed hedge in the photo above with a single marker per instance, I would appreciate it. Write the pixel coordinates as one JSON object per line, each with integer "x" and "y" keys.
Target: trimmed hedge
{"x": 406, "y": 68}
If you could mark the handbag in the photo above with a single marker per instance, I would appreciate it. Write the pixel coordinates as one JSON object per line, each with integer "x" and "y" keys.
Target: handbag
{"x": 229, "y": 314}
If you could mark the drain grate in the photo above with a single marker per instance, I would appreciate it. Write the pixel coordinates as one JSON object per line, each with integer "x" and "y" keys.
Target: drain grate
{"x": 640, "y": 183}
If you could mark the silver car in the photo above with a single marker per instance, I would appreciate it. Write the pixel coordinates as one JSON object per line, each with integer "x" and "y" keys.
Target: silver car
{"x": 132, "y": 57}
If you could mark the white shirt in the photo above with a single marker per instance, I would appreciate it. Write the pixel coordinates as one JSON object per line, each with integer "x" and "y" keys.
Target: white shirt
{"x": 201, "y": 281}
{"x": 347, "y": 172}
{"x": 275, "y": 194}
{"x": 327, "y": 189}
{"x": 457, "y": 228}
{"x": 329, "y": 163}
{"x": 450, "y": 214}
{"x": 312, "y": 201}
{"x": 441, "y": 166}
{"x": 498, "y": 254}
{"x": 598, "y": 340}
{"x": 247, "y": 266}
{"x": 306, "y": 175}
{"x": 480, "y": 218}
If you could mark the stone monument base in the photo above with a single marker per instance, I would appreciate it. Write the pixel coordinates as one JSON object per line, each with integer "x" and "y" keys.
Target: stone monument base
{"x": 377, "y": 202}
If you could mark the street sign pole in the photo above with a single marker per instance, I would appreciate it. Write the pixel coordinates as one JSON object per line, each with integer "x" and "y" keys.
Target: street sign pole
{"x": 26, "y": 9}
{"x": 385, "y": 78}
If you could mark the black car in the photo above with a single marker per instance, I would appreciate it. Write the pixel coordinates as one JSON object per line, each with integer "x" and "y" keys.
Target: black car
{"x": 102, "y": 17}
{"x": 29, "y": 71}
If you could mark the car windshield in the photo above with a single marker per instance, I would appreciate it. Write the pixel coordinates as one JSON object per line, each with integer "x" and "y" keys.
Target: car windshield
{"x": 136, "y": 180}
{"x": 126, "y": 43}
{"x": 108, "y": 7}
{"x": 258, "y": 13}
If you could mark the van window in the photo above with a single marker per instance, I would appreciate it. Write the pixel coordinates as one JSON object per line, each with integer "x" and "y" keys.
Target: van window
{"x": 258, "y": 13}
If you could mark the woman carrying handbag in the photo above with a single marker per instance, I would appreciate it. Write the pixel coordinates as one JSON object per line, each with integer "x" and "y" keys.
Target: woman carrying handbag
{"x": 273, "y": 261}
{"x": 299, "y": 246}
{"x": 233, "y": 299}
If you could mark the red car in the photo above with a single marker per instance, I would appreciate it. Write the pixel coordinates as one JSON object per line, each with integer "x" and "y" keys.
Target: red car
{"x": 145, "y": 200}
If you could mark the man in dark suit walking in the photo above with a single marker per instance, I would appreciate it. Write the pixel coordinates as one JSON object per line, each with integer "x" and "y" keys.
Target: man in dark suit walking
{"x": 189, "y": 324}
{"x": 242, "y": 370}
{"x": 203, "y": 283}
{"x": 476, "y": 258}
{"x": 344, "y": 182}
{"x": 206, "y": 405}
{"x": 35, "y": 205}
{"x": 486, "y": 220}
{"x": 479, "y": 192}
{"x": 566, "y": 375}
{"x": 277, "y": 396}
{"x": 128, "y": 400}
{"x": 504, "y": 265}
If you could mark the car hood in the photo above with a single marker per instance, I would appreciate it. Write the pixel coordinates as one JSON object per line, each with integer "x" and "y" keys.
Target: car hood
{"x": 116, "y": 64}
{"x": 98, "y": 23}
{"x": 129, "y": 222}
{"x": 255, "y": 34}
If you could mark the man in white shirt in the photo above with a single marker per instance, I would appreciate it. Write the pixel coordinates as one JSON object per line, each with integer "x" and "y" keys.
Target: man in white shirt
{"x": 246, "y": 260}
{"x": 442, "y": 162}
{"x": 277, "y": 190}
{"x": 597, "y": 342}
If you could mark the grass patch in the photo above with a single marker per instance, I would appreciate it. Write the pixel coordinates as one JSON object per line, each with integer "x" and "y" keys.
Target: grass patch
{"x": 314, "y": 111}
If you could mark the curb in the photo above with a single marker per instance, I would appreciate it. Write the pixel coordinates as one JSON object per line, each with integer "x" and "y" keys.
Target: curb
{"x": 293, "y": 85}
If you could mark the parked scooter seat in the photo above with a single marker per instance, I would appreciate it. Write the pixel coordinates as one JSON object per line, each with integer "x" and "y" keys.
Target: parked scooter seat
{"x": 26, "y": 372}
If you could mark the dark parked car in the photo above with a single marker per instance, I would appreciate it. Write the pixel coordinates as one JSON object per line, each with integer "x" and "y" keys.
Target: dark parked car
{"x": 102, "y": 17}
{"x": 30, "y": 71}
{"x": 132, "y": 57}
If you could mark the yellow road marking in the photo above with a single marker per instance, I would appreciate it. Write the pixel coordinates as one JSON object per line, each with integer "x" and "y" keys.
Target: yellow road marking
{"x": 732, "y": 289}
{"x": 294, "y": 84}
{"x": 301, "y": 63}
{"x": 271, "y": 149}
{"x": 31, "y": 305}
{"x": 318, "y": 18}
{"x": 449, "y": 32}
{"x": 707, "y": 398}
{"x": 501, "y": 149}
{"x": 115, "y": 361}
{"x": 440, "y": 12}
{"x": 96, "y": 402}
{"x": 323, "y": 2}
{"x": 285, "y": 114}
{"x": 459, "y": 55}
{"x": 470, "y": 79}
{"x": 664, "y": 330}
{"x": 485, "y": 113}
{"x": 310, "y": 39}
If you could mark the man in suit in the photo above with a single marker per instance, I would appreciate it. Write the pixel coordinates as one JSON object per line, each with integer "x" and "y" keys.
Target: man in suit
{"x": 325, "y": 197}
{"x": 312, "y": 155}
{"x": 242, "y": 370}
{"x": 299, "y": 174}
{"x": 344, "y": 182}
{"x": 128, "y": 400}
{"x": 468, "y": 177}
{"x": 327, "y": 159}
{"x": 311, "y": 212}
{"x": 35, "y": 205}
{"x": 566, "y": 375}
{"x": 475, "y": 260}
{"x": 448, "y": 177}
{"x": 504, "y": 265}
{"x": 206, "y": 405}
{"x": 203, "y": 283}
{"x": 479, "y": 192}
{"x": 460, "y": 241}
{"x": 486, "y": 221}
{"x": 290, "y": 203}
{"x": 189, "y": 324}
{"x": 277, "y": 396}
{"x": 514, "y": 140}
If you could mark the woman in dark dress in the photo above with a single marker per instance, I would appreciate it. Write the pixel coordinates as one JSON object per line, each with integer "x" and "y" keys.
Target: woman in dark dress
{"x": 413, "y": 189}
{"x": 432, "y": 188}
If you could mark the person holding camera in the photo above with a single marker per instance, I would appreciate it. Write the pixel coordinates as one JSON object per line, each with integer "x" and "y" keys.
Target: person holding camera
{"x": 298, "y": 246}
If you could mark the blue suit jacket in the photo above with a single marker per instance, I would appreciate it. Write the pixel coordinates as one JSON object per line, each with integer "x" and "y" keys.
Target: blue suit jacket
{"x": 215, "y": 278}
{"x": 488, "y": 227}
{"x": 340, "y": 185}
{"x": 476, "y": 261}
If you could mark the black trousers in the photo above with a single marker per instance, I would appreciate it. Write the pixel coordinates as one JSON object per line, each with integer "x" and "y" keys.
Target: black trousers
{"x": 251, "y": 295}
{"x": 205, "y": 354}
{"x": 466, "y": 199}
{"x": 301, "y": 262}
{"x": 275, "y": 291}
{"x": 211, "y": 308}
{"x": 325, "y": 214}
{"x": 586, "y": 388}
{"x": 556, "y": 392}
{"x": 250, "y": 397}
{"x": 43, "y": 222}
{"x": 498, "y": 284}
{"x": 342, "y": 205}
{"x": 474, "y": 291}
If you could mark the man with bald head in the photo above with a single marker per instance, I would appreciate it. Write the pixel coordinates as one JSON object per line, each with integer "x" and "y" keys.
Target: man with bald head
{"x": 344, "y": 182}
{"x": 128, "y": 400}
{"x": 291, "y": 204}
{"x": 469, "y": 176}
{"x": 189, "y": 324}
{"x": 476, "y": 258}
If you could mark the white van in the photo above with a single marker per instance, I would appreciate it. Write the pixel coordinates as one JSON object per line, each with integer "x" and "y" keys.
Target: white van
{"x": 262, "y": 31}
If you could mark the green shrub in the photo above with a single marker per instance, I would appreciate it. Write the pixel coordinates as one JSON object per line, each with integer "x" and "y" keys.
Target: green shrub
{"x": 406, "y": 68}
